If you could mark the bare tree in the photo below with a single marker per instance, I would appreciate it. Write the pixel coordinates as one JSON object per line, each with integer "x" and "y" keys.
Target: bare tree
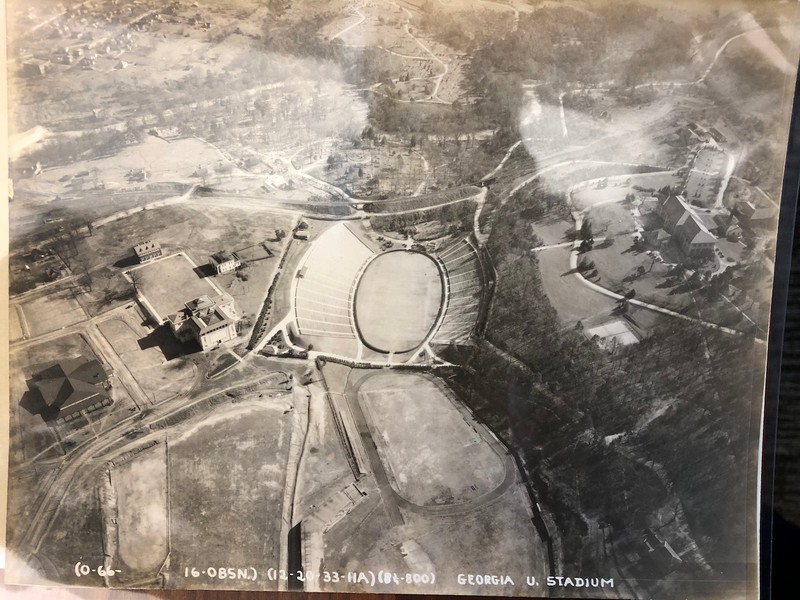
{"x": 84, "y": 265}
{"x": 136, "y": 279}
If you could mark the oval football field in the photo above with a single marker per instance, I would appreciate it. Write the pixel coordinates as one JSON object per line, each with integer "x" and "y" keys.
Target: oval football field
{"x": 397, "y": 301}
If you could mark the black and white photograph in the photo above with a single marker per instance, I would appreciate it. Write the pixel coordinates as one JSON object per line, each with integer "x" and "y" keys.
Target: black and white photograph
{"x": 463, "y": 297}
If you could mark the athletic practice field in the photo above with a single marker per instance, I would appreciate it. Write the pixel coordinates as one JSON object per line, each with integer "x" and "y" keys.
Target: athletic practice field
{"x": 431, "y": 452}
{"x": 397, "y": 301}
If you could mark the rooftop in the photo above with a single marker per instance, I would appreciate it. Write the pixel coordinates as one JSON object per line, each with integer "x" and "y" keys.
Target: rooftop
{"x": 205, "y": 312}
{"x": 146, "y": 247}
{"x": 70, "y": 385}
{"x": 224, "y": 256}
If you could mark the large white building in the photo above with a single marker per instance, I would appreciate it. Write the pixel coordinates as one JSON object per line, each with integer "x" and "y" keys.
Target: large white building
{"x": 208, "y": 321}
{"x": 224, "y": 262}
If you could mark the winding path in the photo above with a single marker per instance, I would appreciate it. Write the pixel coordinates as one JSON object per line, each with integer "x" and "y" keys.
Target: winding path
{"x": 362, "y": 18}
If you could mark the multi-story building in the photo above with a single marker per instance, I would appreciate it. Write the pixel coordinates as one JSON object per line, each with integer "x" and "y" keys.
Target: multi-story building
{"x": 224, "y": 262}
{"x": 208, "y": 321}
{"x": 147, "y": 251}
{"x": 687, "y": 229}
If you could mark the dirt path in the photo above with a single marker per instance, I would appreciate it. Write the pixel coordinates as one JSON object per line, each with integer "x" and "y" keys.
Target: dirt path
{"x": 434, "y": 97}
{"x": 362, "y": 18}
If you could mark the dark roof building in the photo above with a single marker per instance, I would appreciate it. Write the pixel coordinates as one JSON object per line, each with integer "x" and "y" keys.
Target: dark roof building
{"x": 656, "y": 237}
{"x": 69, "y": 387}
{"x": 688, "y": 229}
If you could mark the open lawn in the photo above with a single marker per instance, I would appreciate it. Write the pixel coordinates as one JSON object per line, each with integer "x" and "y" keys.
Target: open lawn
{"x": 614, "y": 189}
{"x": 619, "y": 268}
{"x": 140, "y": 487}
{"x": 163, "y": 161}
{"x": 433, "y": 455}
{"x": 75, "y": 535}
{"x": 572, "y": 300}
{"x": 614, "y": 220}
{"x": 497, "y": 539}
{"x": 226, "y": 489}
{"x": 169, "y": 283}
{"x": 155, "y": 358}
{"x": 53, "y": 311}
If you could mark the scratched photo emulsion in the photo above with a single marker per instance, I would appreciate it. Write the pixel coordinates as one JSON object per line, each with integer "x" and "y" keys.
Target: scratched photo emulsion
{"x": 415, "y": 296}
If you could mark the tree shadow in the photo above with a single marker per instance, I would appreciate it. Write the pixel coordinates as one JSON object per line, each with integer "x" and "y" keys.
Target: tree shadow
{"x": 570, "y": 235}
{"x": 606, "y": 243}
{"x": 633, "y": 249}
{"x": 630, "y": 278}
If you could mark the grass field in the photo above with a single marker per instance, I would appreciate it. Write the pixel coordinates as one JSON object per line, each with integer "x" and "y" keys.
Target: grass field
{"x": 159, "y": 376}
{"x": 434, "y": 455}
{"x": 572, "y": 300}
{"x": 164, "y": 161}
{"x": 423, "y": 438}
{"x": 226, "y": 491}
{"x": 589, "y": 193}
{"x": 51, "y": 312}
{"x": 397, "y": 301}
{"x": 75, "y": 534}
{"x": 141, "y": 490}
{"x": 169, "y": 283}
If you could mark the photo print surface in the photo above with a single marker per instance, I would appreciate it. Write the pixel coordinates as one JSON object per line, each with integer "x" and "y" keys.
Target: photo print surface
{"x": 415, "y": 296}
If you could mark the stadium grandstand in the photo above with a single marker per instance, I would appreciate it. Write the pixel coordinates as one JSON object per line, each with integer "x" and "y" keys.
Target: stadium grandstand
{"x": 462, "y": 266}
{"x": 325, "y": 284}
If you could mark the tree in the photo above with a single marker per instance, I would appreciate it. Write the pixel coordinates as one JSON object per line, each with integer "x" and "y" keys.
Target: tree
{"x": 136, "y": 279}
{"x": 586, "y": 231}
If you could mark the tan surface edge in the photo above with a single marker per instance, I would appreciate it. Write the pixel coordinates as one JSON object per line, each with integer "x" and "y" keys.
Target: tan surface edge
{"x": 4, "y": 357}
